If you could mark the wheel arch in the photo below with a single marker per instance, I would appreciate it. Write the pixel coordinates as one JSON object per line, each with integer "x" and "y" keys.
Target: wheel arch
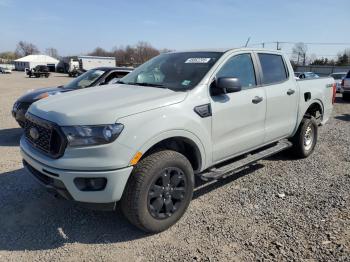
{"x": 181, "y": 141}
{"x": 310, "y": 110}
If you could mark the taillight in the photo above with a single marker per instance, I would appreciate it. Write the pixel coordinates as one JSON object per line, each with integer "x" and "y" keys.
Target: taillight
{"x": 342, "y": 83}
{"x": 334, "y": 92}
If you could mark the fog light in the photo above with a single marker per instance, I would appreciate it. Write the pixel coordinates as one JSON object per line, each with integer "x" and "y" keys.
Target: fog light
{"x": 90, "y": 184}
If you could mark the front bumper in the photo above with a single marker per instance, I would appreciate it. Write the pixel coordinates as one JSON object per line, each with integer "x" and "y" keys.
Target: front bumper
{"x": 62, "y": 181}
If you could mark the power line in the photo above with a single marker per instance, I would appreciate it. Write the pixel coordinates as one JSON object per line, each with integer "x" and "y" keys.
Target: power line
{"x": 307, "y": 43}
{"x": 316, "y": 43}
{"x": 324, "y": 55}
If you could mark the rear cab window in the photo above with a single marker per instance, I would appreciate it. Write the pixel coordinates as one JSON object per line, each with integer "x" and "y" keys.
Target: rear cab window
{"x": 273, "y": 68}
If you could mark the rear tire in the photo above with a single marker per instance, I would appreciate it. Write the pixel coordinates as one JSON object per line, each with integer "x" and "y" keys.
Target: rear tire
{"x": 159, "y": 191}
{"x": 305, "y": 139}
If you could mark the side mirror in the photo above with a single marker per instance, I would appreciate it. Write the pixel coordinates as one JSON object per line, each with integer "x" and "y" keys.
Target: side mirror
{"x": 230, "y": 84}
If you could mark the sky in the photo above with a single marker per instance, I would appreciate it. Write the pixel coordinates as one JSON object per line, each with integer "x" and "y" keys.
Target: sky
{"x": 77, "y": 27}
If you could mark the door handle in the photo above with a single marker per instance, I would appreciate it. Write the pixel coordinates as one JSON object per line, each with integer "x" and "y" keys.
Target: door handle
{"x": 290, "y": 92}
{"x": 257, "y": 99}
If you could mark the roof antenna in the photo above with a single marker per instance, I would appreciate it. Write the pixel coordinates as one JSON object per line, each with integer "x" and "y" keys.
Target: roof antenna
{"x": 246, "y": 44}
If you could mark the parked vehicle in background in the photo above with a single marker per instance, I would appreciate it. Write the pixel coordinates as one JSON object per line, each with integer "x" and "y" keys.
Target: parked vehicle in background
{"x": 94, "y": 77}
{"x": 345, "y": 87}
{"x": 74, "y": 69}
{"x": 5, "y": 70}
{"x": 76, "y": 72}
{"x": 181, "y": 114}
{"x": 39, "y": 71}
{"x": 80, "y": 64}
{"x": 297, "y": 74}
{"x": 308, "y": 75}
{"x": 338, "y": 77}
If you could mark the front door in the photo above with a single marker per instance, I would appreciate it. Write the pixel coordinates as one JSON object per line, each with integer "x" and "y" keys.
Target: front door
{"x": 238, "y": 118}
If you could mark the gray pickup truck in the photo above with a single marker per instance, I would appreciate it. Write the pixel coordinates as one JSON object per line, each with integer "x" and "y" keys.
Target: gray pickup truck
{"x": 179, "y": 115}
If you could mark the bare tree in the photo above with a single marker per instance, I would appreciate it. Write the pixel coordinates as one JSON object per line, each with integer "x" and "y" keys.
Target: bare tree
{"x": 299, "y": 53}
{"x": 344, "y": 57}
{"x": 144, "y": 51}
{"x": 99, "y": 51}
{"x": 24, "y": 49}
{"x": 52, "y": 52}
{"x": 8, "y": 55}
{"x": 129, "y": 55}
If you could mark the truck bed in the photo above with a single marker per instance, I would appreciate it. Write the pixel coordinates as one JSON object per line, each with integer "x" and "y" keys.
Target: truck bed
{"x": 316, "y": 90}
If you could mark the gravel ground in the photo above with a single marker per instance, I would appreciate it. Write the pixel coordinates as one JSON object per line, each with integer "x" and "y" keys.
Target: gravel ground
{"x": 280, "y": 209}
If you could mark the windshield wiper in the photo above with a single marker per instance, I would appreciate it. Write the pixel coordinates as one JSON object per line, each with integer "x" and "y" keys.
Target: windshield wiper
{"x": 121, "y": 82}
{"x": 149, "y": 84}
{"x": 146, "y": 84}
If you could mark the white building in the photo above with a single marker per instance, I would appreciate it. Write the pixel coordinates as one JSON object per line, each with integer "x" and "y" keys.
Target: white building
{"x": 90, "y": 62}
{"x": 31, "y": 61}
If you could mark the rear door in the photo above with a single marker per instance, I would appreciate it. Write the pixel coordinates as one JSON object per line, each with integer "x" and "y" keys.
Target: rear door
{"x": 238, "y": 118}
{"x": 281, "y": 94}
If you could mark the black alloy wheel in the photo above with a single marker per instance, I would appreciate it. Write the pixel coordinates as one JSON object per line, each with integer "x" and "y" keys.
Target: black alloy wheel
{"x": 166, "y": 193}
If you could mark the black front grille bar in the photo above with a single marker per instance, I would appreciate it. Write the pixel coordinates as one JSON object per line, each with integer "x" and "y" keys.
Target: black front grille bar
{"x": 50, "y": 132}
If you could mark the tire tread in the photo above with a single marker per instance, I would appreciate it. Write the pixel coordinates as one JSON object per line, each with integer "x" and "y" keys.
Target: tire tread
{"x": 130, "y": 199}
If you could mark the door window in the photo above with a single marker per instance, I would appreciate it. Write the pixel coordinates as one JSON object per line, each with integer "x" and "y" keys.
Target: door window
{"x": 273, "y": 68}
{"x": 241, "y": 67}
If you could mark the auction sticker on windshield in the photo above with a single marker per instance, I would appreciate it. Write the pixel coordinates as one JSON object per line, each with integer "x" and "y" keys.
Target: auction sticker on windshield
{"x": 197, "y": 60}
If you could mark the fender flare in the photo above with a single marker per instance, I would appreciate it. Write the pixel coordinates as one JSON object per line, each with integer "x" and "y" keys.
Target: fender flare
{"x": 301, "y": 115}
{"x": 180, "y": 134}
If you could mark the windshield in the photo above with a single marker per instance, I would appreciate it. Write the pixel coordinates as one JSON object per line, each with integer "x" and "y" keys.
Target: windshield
{"x": 85, "y": 79}
{"x": 176, "y": 71}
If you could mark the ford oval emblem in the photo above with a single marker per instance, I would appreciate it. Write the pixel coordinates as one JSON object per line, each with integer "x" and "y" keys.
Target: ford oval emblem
{"x": 34, "y": 133}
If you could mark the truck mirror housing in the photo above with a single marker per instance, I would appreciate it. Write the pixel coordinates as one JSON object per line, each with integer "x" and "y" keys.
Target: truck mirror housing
{"x": 230, "y": 84}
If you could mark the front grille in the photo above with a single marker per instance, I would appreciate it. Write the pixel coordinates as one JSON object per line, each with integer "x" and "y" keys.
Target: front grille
{"x": 44, "y": 136}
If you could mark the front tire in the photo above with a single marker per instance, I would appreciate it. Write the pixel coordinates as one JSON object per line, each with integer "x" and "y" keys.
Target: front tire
{"x": 159, "y": 191}
{"x": 305, "y": 139}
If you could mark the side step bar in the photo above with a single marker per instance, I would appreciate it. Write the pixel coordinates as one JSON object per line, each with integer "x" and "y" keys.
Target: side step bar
{"x": 216, "y": 173}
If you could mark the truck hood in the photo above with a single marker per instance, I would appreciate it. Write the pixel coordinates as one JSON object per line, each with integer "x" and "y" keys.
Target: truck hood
{"x": 31, "y": 96}
{"x": 96, "y": 105}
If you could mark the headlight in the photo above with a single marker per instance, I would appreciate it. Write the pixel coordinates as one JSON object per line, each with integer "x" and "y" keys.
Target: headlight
{"x": 92, "y": 135}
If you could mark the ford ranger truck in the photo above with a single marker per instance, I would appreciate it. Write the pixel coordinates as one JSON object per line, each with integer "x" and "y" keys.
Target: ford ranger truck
{"x": 142, "y": 141}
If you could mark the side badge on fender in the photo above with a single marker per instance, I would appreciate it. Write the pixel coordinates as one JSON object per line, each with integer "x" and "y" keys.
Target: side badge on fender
{"x": 203, "y": 110}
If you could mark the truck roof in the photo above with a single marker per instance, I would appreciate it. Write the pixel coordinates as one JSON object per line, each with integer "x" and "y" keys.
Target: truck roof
{"x": 224, "y": 50}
